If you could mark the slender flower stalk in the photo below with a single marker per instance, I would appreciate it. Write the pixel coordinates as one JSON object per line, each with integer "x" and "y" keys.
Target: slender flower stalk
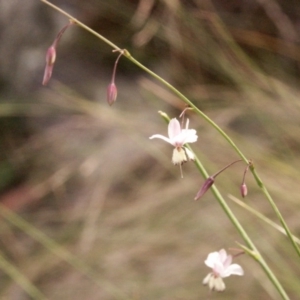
{"x": 112, "y": 91}
{"x": 182, "y": 115}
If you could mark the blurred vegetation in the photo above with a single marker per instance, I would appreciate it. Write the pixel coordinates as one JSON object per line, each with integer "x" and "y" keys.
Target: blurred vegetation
{"x": 97, "y": 210}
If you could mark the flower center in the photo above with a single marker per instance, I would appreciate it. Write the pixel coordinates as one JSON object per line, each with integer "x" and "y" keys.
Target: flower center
{"x": 216, "y": 274}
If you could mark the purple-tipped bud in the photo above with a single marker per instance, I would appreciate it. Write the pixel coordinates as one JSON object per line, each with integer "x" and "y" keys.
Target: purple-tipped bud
{"x": 50, "y": 60}
{"x": 112, "y": 93}
{"x": 51, "y": 54}
{"x": 207, "y": 184}
{"x": 244, "y": 190}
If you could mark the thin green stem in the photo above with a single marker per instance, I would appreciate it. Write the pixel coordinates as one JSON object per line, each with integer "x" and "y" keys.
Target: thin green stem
{"x": 275, "y": 208}
{"x": 197, "y": 110}
{"x": 82, "y": 25}
{"x": 192, "y": 105}
{"x": 241, "y": 231}
{"x": 262, "y": 217}
{"x": 253, "y": 250}
{"x": 141, "y": 66}
{"x": 233, "y": 145}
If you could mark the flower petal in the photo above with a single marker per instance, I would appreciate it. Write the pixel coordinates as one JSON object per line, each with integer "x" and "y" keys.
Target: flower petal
{"x": 214, "y": 283}
{"x": 159, "y": 136}
{"x": 211, "y": 283}
{"x": 225, "y": 258}
{"x": 233, "y": 269}
{"x": 179, "y": 156}
{"x": 218, "y": 268}
{"x": 190, "y": 135}
{"x": 190, "y": 155}
{"x": 174, "y": 128}
{"x": 179, "y": 140}
{"x": 212, "y": 258}
{"x": 219, "y": 284}
{"x": 223, "y": 255}
{"x": 207, "y": 278}
{"x": 227, "y": 261}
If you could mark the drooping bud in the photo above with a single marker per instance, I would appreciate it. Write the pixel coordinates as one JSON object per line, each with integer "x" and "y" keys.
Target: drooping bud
{"x": 210, "y": 180}
{"x": 50, "y": 60}
{"x": 244, "y": 190}
{"x": 205, "y": 187}
{"x": 112, "y": 93}
{"x": 51, "y": 54}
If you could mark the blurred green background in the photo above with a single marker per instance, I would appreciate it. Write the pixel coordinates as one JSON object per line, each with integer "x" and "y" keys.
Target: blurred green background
{"x": 97, "y": 210}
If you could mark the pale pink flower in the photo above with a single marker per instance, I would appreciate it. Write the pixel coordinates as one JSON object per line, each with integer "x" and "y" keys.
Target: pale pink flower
{"x": 221, "y": 266}
{"x": 177, "y": 138}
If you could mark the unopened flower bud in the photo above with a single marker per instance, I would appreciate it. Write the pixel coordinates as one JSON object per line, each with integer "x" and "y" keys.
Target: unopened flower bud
{"x": 112, "y": 89}
{"x": 112, "y": 93}
{"x": 51, "y": 54}
{"x": 50, "y": 60}
{"x": 244, "y": 190}
{"x": 207, "y": 184}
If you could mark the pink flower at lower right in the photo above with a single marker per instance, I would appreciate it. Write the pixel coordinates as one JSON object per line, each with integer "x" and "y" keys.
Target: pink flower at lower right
{"x": 220, "y": 263}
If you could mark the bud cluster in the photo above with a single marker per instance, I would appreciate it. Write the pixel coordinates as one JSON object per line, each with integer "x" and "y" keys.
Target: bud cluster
{"x": 211, "y": 179}
{"x": 51, "y": 58}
